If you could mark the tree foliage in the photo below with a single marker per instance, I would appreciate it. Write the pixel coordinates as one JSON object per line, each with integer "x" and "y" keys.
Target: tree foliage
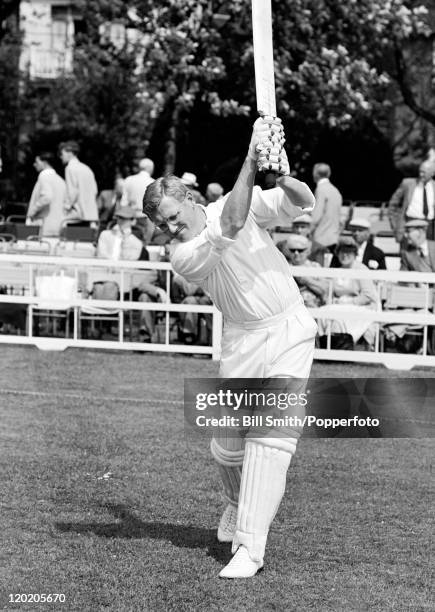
{"x": 339, "y": 65}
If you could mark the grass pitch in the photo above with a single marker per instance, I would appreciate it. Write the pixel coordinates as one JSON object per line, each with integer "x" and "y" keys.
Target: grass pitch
{"x": 103, "y": 500}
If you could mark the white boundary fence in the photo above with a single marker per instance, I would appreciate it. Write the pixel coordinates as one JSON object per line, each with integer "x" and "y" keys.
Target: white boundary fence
{"x": 21, "y": 271}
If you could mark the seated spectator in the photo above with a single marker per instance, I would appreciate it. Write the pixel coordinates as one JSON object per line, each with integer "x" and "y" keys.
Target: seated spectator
{"x": 120, "y": 243}
{"x": 368, "y": 254}
{"x": 303, "y": 225}
{"x": 419, "y": 252}
{"x": 313, "y": 290}
{"x": 108, "y": 201}
{"x": 417, "y": 256}
{"x": 193, "y": 327}
{"x": 189, "y": 179}
{"x": 350, "y": 294}
{"x": 213, "y": 192}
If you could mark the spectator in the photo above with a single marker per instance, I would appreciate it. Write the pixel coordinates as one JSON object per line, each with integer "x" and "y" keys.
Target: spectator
{"x": 108, "y": 201}
{"x": 350, "y": 294}
{"x": 302, "y": 225}
{"x": 193, "y": 327}
{"x": 327, "y": 211}
{"x": 414, "y": 199}
{"x": 134, "y": 188}
{"x": 189, "y": 179}
{"x": 81, "y": 186}
{"x": 313, "y": 290}
{"x": 48, "y": 197}
{"x": 120, "y": 243}
{"x": 419, "y": 256}
{"x": 213, "y": 192}
{"x": 368, "y": 254}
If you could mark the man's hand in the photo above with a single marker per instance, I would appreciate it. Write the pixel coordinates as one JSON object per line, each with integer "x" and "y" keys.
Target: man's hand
{"x": 267, "y": 145}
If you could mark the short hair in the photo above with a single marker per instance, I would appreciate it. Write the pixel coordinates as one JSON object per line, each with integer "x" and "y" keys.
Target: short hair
{"x": 168, "y": 185}
{"x": 215, "y": 189}
{"x": 71, "y": 146}
{"x": 322, "y": 170}
{"x": 146, "y": 164}
{"x": 46, "y": 157}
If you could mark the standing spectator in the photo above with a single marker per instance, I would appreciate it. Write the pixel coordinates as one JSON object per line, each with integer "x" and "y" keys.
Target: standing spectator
{"x": 81, "y": 185}
{"x": 313, "y": 290}
{"x": 189, "y": 179}
{"x": 47, "y": 202}
{"x": 368, "y": 254}
{"x": 326, "y": 213}
{"x": 213, "y": 192}
{"x": 303, "y": 225}
{"x": 134, "y": 189}
{"x": 414, "y": 199}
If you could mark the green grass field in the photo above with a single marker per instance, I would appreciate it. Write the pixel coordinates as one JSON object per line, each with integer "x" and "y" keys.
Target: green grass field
{"x": 103, "y": 500}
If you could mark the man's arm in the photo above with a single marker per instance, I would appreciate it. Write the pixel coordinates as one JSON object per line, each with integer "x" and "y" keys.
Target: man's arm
{"x": 72, "y": 188}
{"x": 395, "y": 204}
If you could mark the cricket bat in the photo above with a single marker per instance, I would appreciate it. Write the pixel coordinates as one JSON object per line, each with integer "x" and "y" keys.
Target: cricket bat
{"x": 263, "y": 57}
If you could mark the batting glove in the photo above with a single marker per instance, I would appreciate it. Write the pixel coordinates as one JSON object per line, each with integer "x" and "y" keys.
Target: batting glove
{"x": 267, "y": 132}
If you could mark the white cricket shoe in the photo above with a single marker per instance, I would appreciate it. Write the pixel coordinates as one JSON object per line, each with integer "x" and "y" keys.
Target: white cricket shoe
{"x": 227, "y": 524}
{"x": 241, "y": 565}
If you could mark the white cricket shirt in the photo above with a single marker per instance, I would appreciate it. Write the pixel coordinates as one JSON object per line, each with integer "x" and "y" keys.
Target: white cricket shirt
{"x": 246, "y": 277}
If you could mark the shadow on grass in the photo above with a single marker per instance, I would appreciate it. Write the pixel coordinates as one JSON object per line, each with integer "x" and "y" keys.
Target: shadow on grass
{"x": 129, "y": 526}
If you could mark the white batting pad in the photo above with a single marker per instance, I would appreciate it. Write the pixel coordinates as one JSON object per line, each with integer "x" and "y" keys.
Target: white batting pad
{"x": 230, "y": 469}
{"x": 261, "y": 490}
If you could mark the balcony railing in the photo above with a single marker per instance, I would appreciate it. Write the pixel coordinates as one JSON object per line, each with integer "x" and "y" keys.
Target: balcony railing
{"x": 47, "y": 63}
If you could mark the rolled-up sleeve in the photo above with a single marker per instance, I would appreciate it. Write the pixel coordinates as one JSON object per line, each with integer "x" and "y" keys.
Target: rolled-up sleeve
{"x": 273, "y": 206}
{"x": 196, "y": 259}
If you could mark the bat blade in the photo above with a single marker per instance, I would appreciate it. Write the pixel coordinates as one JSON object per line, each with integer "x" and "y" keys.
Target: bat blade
{"x": 263, "y": 56}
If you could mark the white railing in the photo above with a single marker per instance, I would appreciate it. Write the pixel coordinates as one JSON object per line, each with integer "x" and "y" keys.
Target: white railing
{"x": 18, "y": 273}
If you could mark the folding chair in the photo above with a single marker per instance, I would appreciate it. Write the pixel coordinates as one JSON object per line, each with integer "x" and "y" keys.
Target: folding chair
{"x": 69, "y": 248}
{"x": 55, "y": 292}
{"x": 76, "y": 232}
{"x": 410, "y": 299}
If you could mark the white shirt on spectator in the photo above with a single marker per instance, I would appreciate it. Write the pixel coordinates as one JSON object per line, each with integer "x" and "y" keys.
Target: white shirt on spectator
{"x": 415, "y": 208}
{"x": 361, "y": 249}
{"x": 134, "y": 189}
{"x": 246, "y": 277}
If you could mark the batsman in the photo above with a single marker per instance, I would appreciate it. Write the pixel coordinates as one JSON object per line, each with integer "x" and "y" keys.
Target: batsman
{"x": 268, "y": 333}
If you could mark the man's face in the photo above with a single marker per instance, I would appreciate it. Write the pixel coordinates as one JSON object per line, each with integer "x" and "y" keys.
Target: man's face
{"x": 38, "y": 164}
{"x": 415, "y": 236}
{"x": 124, "y": 223}
{"x": 360, "y": 234}
{"x": 425, "y": 172}
{"x": 65, "y": 156}
{"x": 296, "y": 255}
{"x": 346, "y": 257}
{"x": 180, "y": 220}
{"x": 303, "y": 229}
